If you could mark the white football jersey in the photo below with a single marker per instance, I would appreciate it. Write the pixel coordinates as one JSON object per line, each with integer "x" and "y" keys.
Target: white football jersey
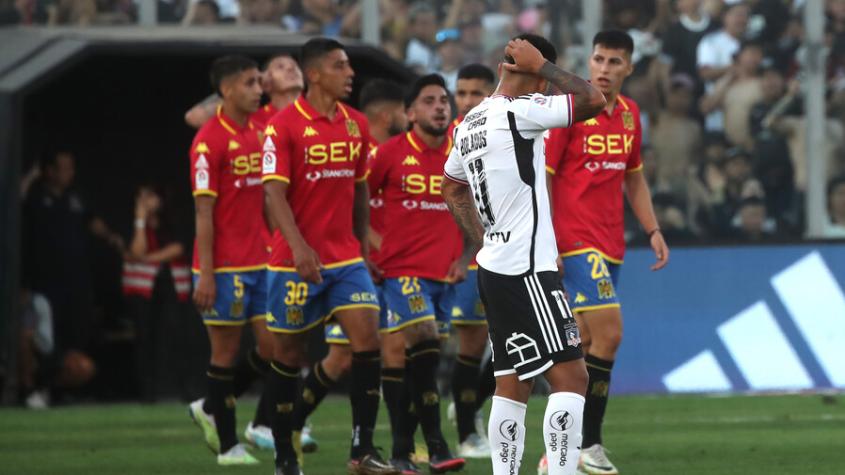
{"x": 500, "y": 153}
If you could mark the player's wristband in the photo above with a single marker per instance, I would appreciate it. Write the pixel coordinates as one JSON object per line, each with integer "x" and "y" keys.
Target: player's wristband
{"x": 140, "y": 223}
{"x": 651, "y": 233}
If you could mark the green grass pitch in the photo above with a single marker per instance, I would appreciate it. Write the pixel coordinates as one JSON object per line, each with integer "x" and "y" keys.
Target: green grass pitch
{"x": 647, "y": 435}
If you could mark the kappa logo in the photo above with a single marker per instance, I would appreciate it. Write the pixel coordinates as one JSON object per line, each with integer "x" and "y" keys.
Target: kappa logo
{"x": 410, "y": 160}
{"x": 270, "y": 131}
{"x": 309, "y": 132}
{"x": 580, "y": 298}
{"x": 591, "y": 122}
{"x": 233, "y": 145}
{"x": 509, "y": 429}
{"x": 202, "y": 147}
{"x": 561, "y": 421}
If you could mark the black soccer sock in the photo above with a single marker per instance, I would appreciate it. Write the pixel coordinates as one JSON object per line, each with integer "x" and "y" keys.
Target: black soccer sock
{"x": 281, "y": 389}
{"x": 264, "y": 411}
{"x": 408, "y": 416}
{"x": 425, "y": 358}
{"x": 248, "y": 369}
{"x": 314, "y": 390}
{"x": 365, "y": 397}
{"x": 221, "y": 404}
{"x": 596, "y": 400}
{"x": 486, "y": 384}
{"x": 465, "y": 393}
{"x": 392, "y": 388}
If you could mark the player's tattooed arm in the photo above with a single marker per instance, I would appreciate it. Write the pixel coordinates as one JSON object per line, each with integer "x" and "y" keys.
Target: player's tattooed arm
{"x": 587, "y": 101}
{"x": 305, "y": 259}
{"x": 459, "y": 199}
{"x": 201, "y": 112}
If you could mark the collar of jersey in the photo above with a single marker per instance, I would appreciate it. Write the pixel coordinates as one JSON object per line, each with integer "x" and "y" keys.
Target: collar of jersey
{"x": 230, "y": 125}
{"x": 621, "y": 105}
{"x": 307, "y": 110}
{"x": 420, "y": 146}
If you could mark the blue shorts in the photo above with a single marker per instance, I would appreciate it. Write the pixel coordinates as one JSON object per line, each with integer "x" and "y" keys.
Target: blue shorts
{"x": 468, "y": 309}
{"x": 297, "y": 306}
{"x": 241, "y": 297}
{"x": 590, "y": 279}
{"x": 335, "y": 334}
{"x": 412, "y": 300}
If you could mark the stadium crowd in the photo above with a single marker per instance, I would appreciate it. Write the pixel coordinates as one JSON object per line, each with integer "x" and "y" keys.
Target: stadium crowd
{"x": 717, "y": 83}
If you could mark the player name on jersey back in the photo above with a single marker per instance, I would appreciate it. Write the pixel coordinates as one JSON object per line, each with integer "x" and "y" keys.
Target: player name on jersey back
{"x": 499, "y": 153}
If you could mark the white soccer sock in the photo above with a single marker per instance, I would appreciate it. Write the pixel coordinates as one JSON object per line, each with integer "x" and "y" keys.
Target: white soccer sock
{"x": 506, "y": 431}
{"x": 562, "y": 432}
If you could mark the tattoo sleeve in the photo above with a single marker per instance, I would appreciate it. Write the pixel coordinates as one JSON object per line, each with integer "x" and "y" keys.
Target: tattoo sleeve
{"x": 461, "y": 205}
{"x": 587, "y": 101}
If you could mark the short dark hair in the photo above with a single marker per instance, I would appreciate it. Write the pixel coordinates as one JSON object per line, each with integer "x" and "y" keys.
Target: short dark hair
{"x": 477, "y": 71}
{"x": 547, "y": 49}
{"x": 752, "y": 201}
{"x": 266, "y": 63}
{"x": 421, "y": 83}
{"x": 614, "y": 39}
{"x": 315, "y": 48}
{"x": 381, "y": 90}
{"x": 50, "y": 156}
{"x": 227, "y": 66}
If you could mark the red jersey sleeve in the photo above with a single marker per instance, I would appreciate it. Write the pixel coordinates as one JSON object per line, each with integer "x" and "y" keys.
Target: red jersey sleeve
{"x": 277, "y": 151}
{"x": 556, "y": 143}
{"x": 367, "y": 143}
{"x": 635, "y": 161}
{"x": 377, "y": 173}
{"x": 206, "y": 160}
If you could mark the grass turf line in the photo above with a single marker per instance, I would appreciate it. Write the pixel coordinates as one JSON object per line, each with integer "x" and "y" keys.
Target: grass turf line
{"x": 647, "y": 435}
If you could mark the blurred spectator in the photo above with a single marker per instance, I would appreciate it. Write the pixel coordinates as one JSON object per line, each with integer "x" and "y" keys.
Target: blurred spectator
{"x": 715, "y": 54}
{"x": 472, "y": 41}
{"x": 752, "y": 223}
{"x": 680, "y": 42}
{"x": 707, "y": 185}
{"x": 419, "y": 54}
{"x": 262, "y": 12}
{"x": 155, "y": 275}
{"x": 72, "y": 12}
{"x": 56, "y": 259}
{"x": 450, "y": 56}
{"x": 35, "y": 346}
{"x": 671, "y": 219}
{"x": 736, "y": 92}
{"x": 835, "y": 225}
{"x": 171, "y": 11}
{"x": 22, "y": 12}
{"x": 326, "y": 18}
{"x": 772, "y": 161}
{"x": 676, "y": 137}
{"x": 739, "y": 185}
{"x": 202, "y": 13}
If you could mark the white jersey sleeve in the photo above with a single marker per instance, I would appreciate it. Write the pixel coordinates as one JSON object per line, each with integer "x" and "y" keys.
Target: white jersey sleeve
{"x": 537, "y": 113}
{"x": 454, "y": 169}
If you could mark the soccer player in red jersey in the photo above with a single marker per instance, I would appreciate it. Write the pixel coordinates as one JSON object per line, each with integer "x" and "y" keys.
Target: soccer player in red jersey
{"x": 314, "y": 172}
{"x": 418, "y": 274}
{"x": 588, "y": 164}
{"x": 383, "y": 102}
{"x": 469, "y": 391}
{"x": 281, "y": 81}
{"x": 230, "y": 253}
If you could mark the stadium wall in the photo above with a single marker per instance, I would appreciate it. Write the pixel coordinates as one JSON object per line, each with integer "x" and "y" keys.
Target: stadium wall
{"x": 734, "y": 319}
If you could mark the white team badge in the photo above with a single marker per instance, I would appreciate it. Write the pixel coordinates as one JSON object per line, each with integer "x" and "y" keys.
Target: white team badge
{"x": 202, "y": 163}
{"x": 524, "y": 347}
{"x": 201, "y": 179}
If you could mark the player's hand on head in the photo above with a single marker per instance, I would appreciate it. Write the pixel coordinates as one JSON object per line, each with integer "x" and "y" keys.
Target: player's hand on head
{"x": 205, "y": 293}
{"x": 307, "y": 264}
{"x": 527, "y": 58}
{"x": 661, "y": 250}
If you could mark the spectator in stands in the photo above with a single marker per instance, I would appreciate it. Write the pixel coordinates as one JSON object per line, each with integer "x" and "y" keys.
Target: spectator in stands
{"x": 835, "y": 223}
{"x": 202, "y": 13}
{"x": 262, "y": 12}
{"x": 57, "y": 227}
{"x": 449, "y": 56}
{"x": 327, "y": 18}
{"x": 736, "y": 92}
{"x": 671, "y": 219}
{"x": 35, "y": 346}
{"x": 715, "y": 54}
{"x": 155, "y": 276}
{"x": 22, "y": 12}
{"x": 72, "y": 12}
{"x": 680, "y": 41}
{"x": 752, "y": 223}
{"x": 706, "y": 186}
{"x": 739, "y": 184}
{"x": 420, "y": 54}
{"x": 676, "y": 137}
{"x": 472, "y": 41}
{"x": 772, "y": 161}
